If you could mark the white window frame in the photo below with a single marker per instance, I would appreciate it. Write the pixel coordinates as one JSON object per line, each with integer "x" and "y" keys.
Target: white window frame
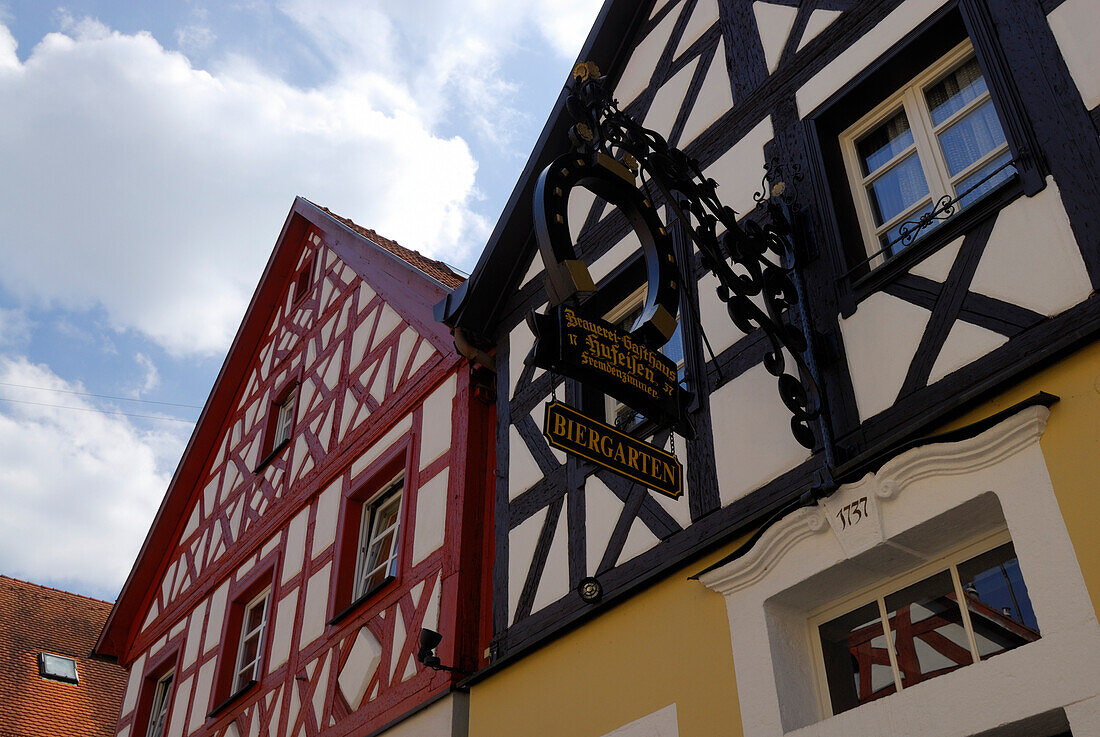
{"x": 392, "y": 493}
{"x": 251, "y": 670}
{"x": 919, "y": 504}
{"x": 933, "y": 163}
{"x": 158, "y": 711}
{"x": 284, "y": 419}
{"x": 613, "y": 406}
{"x": 949, "y": 562}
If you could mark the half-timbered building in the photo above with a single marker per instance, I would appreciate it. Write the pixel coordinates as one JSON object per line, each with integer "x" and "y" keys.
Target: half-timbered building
{"x": 317, "y": 521}
{"x": 929, "y": 565}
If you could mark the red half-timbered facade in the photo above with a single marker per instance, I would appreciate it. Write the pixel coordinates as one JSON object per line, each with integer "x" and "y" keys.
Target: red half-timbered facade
{"x": 324, "y": 512}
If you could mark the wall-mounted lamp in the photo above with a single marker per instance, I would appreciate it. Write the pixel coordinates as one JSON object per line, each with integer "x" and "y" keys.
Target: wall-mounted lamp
{"x": 429, "y": 641}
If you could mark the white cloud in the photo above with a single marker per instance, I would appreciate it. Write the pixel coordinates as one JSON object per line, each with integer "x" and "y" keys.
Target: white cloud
{"x": 80, "y": 487}
{"x": 15, "y": 327}
{"x": 194, "y": 38}
{"x": 156, "y": 189}
{"x": 151, "y": 380}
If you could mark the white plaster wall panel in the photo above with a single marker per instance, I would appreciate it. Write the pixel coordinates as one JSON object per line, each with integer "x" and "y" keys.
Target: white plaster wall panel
{"x": 431, "y": 516}
{"x": 133, "y": 685}
{"x": 554, "y": 582}
{"x": 435, "y": 434}
{"x": 380, "y": 382}
{"x": 661, "y": 723}
{"x": 643, "y": 61}
{"x": 431, "y": 614}
{"x": 714, "y": 100}
{"x": 332, "y": 375}
{"x": 168, "y": 580}
{"x": 324, "y": 523}
{"x": 359, "y": 341}
{"x": 387, "y": 321}
{"x": 245, "y": 567}
{"x": 124, "y": 732}
{"x": 366, "y": 294}
{"x": 774, "y": 22}
{"x": 965, "y": 343}
{"x": 715, "y": 320}
{"x": 284, "y": 630}
{"x": 880, "y": 340}
{"x": 668, "y": 101}
{"x": 182, "y": 693}
{"x": 382, "y": 445}
{"x": 523, "y": 471}
{"x": 863, "y": 52}
{"x": 521, "y": 547}
{"x": 192, "y": 523}
{"x": 1032, "y": 258}
{"x": 410, "y": 669}
{"x": 702, "y": 19}
{"x": 938, "y": 266}
{"x": 423, "y": 353}
{"x": 577, "y": 209}
{"x": 154, "y": 610}
{"x": 301, "y": 452}
{"x": 536, "y": 263}
{"x": 399, "y": 635}
{"x": 360, "y": 667}
{"x": 405, "y": 344}
{"x": 1074, "y": 24}
{"x": 194, "y": 635}
{"x": 315, "y": 608}
{"x": 344, "y": 312}
{"x": 752, "y": 434}
{"x": 201, "y": 705}
{"x": 819, "y": 20}
{"x": 614, "y": 256}
{"x": 520, "y": 341}
{"x": 638, "y": 540}
{"x": 348, "y": 411}
{"x": 601, "y": 511}
{"x": 738, "y": 171}
{"x": 326, "y": 427}
{"x": 214, "y": 619}
{"x": 321, "y": 691}
{"x": 293, "y": 707}
{"x": 657, "y": 8}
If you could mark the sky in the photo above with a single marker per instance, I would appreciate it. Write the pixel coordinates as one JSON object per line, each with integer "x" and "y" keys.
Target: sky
{"x": 149, "y": 154}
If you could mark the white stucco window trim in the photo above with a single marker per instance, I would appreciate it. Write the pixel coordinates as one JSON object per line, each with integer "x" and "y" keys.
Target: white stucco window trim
{"x": 920, "y": 505}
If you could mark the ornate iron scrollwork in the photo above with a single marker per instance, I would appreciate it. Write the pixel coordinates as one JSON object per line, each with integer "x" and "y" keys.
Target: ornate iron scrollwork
{"x": 754, "y": 261}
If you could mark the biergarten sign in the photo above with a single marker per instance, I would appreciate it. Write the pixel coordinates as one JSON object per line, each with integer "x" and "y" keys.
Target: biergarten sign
{"x": 608, "y": 447}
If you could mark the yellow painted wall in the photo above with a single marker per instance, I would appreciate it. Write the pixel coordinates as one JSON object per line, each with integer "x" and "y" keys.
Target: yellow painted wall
{"x": 671, "y": 642}
{"x": 668, "y": 644}
{"x": 1071, "y": 446}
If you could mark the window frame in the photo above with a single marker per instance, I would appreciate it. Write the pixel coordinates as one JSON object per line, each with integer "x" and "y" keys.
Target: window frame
{"x": 165, "y": 664}
{"x": 259, "y": 581}
{"x": 161, "y": 705}
{"x": 44, "y": 672}
{"x": 392, "y": 492}
{"x": 395, "y": 465}
{"x": 911, "y": 100}
{"x": 262, "y": 599}
{"x": 879, "y": 590}
{"x": 303, "y": 281}
{"x": 287, "y": 394}
{"x": 841, "y": 232}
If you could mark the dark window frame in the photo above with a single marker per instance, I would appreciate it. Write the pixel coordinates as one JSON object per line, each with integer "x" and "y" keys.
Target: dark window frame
{"x": 165, "y": 662}
{"x": 957, "y": 21}
{"x": 289, "y": 388}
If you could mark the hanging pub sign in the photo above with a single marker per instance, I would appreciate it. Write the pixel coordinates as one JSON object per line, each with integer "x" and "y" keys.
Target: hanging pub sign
{"x": 606, "y": 446}
{"x": 625, "y": 364}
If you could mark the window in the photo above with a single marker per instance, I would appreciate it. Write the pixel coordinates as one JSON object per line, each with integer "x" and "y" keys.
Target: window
{"x": 284, "y": 420}
{"x": 158, "y": 715}
{"x": 913, "y": 629}
{"x": 924, "y": 123}
{"x": 624, "y": 316}
{"x": 380, "y": 525}
{"x": 57, "y": 667}
{"x": 936, "y": 140}
{"x": 305, "y": 279}
{"x": 250, "y": 647}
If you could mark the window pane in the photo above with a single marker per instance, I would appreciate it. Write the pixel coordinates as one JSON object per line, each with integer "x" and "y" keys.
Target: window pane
{"x": 971, "y": 137}
{"x": 249, "y": 650}
{"x": 897, "y": 190}
{"x": 884, "y": 143}
{"x": 954, "y": 91}
{"x": 929, "y": 637}
{"x": 964, "y": 184}
{"x": 1000, "y": 609}
{"x": 857, "y": 663}
{"x": 254, "y": 617}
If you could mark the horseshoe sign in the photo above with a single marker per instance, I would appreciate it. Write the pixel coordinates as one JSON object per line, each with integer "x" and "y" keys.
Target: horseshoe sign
{"x": 628, "y": 365}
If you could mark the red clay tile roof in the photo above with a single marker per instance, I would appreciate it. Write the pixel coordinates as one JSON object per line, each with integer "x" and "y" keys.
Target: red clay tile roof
{"x": 436, "y": 269}
{"x": 37, "y": 618}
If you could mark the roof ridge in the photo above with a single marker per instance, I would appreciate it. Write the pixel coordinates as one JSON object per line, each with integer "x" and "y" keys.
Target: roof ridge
{"x": 441, "y": 271}
{"x": 54, "y": 588}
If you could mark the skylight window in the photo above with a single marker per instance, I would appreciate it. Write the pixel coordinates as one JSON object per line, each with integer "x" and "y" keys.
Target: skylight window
{"x": 57, "y": 667}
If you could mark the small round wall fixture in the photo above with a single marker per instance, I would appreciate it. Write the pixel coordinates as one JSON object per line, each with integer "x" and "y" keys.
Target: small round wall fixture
{"x": 590, "y": 590}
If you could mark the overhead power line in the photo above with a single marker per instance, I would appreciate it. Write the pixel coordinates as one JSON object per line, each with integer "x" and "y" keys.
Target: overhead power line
{"x": 102, "y": 412}
{"x": 100, "y": 396}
